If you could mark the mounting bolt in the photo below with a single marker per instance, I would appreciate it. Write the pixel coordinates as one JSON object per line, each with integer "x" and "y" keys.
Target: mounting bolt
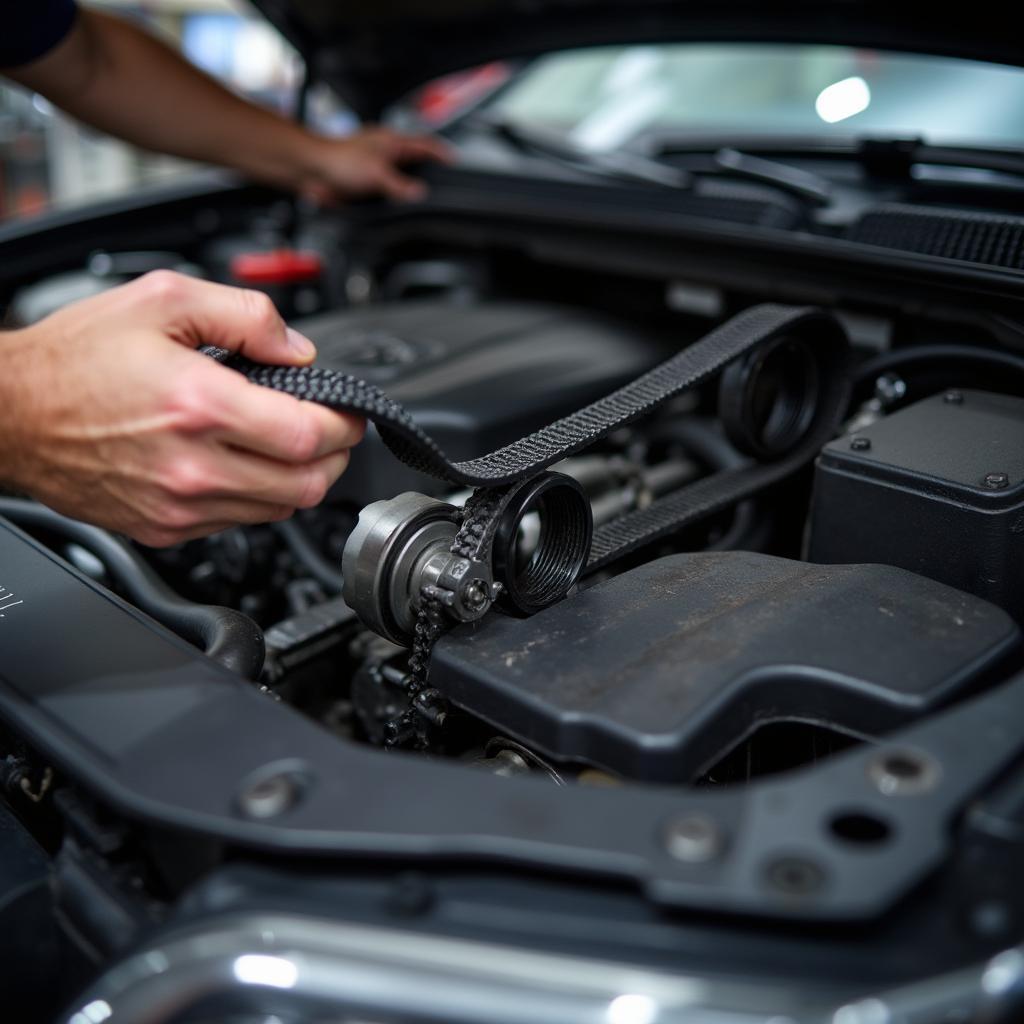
{"x": 694, "y": 838}
{"x": 953, "y": 398}
{"x": 270, "y": 796}
{"x": 996, "y": 481}
{"x": 860, "y": 444}
{"x": 890, "y": 388}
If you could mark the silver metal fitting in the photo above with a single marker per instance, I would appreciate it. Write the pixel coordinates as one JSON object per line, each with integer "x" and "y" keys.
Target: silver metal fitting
{"x": 399, "y": 552}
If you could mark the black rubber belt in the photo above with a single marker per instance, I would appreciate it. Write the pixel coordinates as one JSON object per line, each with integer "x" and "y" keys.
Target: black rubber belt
{"x": 531, "y": 454}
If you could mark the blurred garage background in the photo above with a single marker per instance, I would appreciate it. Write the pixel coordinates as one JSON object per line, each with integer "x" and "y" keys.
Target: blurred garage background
{"x": 47, "y": 160}
{"x": 605, "y": 98}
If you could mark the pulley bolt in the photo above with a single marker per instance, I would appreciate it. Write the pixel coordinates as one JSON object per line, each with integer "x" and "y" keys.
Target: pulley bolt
{"x": 996, "y": 481}
{"x": 860, "y": 444}
{"x": 475, "y": 596}
{"x": 953, "y": 398}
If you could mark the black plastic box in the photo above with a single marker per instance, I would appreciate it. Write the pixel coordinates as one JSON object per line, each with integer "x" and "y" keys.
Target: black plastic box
{"x": 656, "y": 673}
{"x": 936, "y": 488}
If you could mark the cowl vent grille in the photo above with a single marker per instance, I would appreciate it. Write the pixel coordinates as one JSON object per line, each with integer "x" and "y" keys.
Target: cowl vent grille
{"x": 987, "y": 239}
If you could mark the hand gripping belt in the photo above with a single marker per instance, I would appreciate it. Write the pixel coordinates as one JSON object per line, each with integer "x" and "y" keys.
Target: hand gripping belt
{"x": 501, "y": 471}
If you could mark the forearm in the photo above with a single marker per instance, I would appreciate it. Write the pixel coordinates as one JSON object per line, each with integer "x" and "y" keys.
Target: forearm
{"x": 124, "y": 82}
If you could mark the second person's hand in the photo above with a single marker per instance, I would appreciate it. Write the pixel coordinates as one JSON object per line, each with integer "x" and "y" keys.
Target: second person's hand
{"x": 367, "y": 163}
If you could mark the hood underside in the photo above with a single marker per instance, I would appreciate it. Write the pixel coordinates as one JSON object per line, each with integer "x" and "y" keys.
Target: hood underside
{"x": 375, "y": 51}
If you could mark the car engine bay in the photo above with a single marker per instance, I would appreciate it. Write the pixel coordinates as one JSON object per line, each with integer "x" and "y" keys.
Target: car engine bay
{"x": 775, "y": 727}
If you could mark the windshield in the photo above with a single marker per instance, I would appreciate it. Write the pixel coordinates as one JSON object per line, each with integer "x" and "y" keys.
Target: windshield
{"x": 607, "y": 97}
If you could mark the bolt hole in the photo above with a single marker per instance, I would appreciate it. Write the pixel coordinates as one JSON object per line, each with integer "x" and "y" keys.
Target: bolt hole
{"x": 902, "y": 767}
{"x": 863, "y": 829}
{"x": 904, "y": 772}
{"x": 795, "y": 876}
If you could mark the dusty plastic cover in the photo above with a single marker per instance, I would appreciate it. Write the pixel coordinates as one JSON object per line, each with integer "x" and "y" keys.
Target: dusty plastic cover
{"x": 936, "y": 488}
{"x": 657, "y": 672}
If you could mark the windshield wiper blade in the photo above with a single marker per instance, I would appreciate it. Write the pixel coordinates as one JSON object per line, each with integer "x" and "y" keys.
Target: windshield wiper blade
{"x": 610, "y": 164}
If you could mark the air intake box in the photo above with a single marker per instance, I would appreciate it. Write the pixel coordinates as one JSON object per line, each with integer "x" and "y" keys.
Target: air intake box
{"x": 937, "y": 488}
{"x": 656, "y": 673}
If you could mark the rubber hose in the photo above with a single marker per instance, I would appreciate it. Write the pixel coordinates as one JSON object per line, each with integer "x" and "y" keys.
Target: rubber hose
{"x": 304, "y": 550}
{"x": 931, "y": 354}
{"x": 701, "y": 437}
{"x": 224, "y": 634}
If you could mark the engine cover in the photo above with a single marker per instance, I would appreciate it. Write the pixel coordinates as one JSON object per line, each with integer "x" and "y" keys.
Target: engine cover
{"x": 937, "y": 488}
{"x": 656, "y": 673}
{"x": 475, "y": 376}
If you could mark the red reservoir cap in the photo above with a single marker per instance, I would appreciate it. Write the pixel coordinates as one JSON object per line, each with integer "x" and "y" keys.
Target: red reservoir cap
{"x": 279, "y": 266}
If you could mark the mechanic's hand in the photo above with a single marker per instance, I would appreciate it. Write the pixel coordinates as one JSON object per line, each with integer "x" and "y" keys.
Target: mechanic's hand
{"x": 109, "y": 416}
{"x": 369, "y": 163}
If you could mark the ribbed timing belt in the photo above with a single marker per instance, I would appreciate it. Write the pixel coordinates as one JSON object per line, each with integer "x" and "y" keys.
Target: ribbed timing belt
{"x": 495, "y": 474}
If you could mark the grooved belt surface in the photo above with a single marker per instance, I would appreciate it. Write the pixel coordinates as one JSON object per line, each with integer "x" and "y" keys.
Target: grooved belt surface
{"x": 535, "y": 452}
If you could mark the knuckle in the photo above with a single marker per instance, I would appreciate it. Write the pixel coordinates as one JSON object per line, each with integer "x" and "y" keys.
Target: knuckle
{"x": 314, "y": 488}
{"x": 187, "y": 477}
{"x": 174, "y": 517}
{"x": 163, "y": 285}
{"x": 306, "y": 436}
{"x": 188, "y": 400}
{"x": 357, "y": 428}
{"x": 260, "y": 310}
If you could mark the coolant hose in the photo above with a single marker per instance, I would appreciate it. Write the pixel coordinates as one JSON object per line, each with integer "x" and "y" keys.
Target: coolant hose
{"x": 305, "y": 551}
{"x": 224, "y": 634}
{"x": 701, "y": 437}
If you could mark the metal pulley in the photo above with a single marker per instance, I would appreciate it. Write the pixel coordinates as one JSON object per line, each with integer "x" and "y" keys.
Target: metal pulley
{"x": 523, "y": 545}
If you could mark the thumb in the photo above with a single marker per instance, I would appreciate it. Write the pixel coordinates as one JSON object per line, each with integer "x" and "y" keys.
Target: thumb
{"x": 195, "y": 313}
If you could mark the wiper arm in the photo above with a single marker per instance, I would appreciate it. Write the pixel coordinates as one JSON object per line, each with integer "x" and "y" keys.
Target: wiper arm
{"x": 892, "y": 158}
{"x": 618, "y": 165}
{"x": 628, "y": 166}
{"x": 812, "y": 187}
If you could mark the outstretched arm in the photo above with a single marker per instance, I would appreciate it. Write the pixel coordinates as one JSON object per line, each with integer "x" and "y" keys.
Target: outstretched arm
{"x": 123, "y": 81}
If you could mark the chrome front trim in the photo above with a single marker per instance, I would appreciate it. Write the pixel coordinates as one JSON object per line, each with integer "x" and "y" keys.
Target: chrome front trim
{"x": 360, "y": 973}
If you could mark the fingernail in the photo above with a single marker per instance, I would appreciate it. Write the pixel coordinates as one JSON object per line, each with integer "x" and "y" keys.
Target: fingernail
{"x": 300, "y": 344}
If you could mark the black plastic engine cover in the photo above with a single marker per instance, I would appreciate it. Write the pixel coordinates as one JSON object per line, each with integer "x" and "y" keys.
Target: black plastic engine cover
{"x": 937, "y": 488}
{"x": 475, "y": 376}
{"x": 657, "y": 672}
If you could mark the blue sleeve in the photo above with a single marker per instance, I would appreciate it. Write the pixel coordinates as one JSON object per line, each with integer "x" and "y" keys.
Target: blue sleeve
{"x": 31, "y": 28}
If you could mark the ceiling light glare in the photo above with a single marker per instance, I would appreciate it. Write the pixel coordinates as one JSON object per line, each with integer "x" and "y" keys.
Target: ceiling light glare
{"x": 842, "y": 99}
{"x": 258, "y": 969}
{"x": 632, "y": 1008}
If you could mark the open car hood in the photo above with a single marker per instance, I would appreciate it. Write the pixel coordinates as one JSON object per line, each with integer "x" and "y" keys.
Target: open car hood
{"x": 374, "y": 51}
